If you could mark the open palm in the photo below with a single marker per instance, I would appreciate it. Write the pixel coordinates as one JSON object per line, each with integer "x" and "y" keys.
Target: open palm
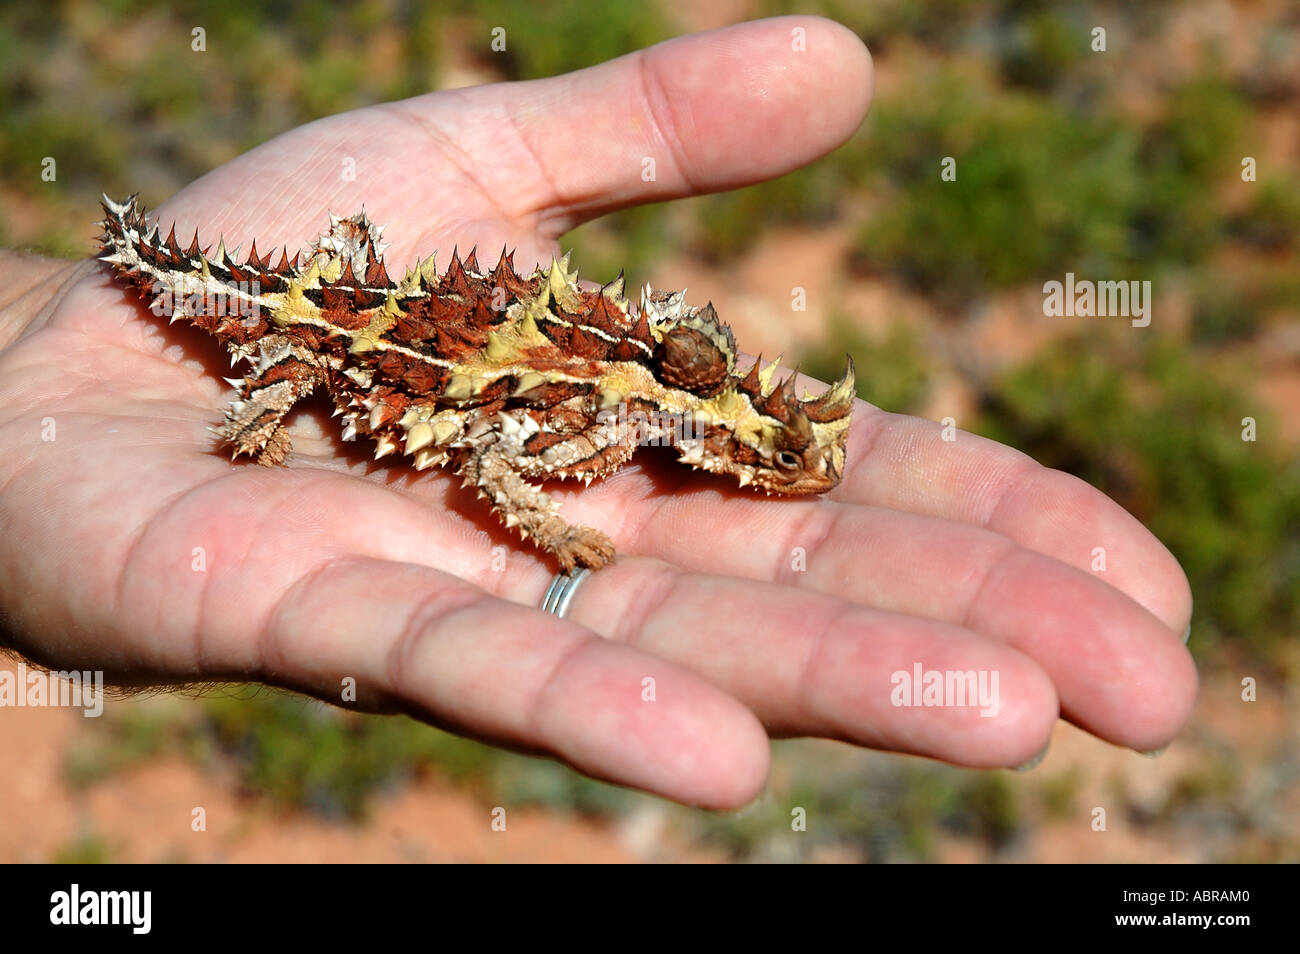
{"x": 131, "y": 544}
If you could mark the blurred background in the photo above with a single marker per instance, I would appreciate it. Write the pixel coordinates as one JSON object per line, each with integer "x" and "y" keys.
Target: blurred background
{"x": 1125, "y": 165}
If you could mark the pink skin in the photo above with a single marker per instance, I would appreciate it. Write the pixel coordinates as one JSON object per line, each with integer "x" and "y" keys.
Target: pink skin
{"x": 962, "y": 555}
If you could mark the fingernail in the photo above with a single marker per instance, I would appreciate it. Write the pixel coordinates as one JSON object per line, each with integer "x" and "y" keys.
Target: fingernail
{"x": 1187, "y": 634}
{"x": 1036, "y": 761}
{"x": 1155, "y": 753}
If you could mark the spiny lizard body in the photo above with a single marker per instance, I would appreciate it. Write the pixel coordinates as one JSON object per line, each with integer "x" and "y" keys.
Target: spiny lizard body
{"x": 507, "y": 380}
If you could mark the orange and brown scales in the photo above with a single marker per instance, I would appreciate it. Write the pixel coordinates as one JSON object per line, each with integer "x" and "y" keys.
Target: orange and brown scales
{"x": 506, "y": 379}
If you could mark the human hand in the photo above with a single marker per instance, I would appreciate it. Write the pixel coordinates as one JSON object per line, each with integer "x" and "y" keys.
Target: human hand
{"x": 131, "y": 544}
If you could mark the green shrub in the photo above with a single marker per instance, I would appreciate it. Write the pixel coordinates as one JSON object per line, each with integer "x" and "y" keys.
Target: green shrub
{"x": 1184, "y": 158}
{"x": 1038, "y": 191}
{"x": 882, "y": 23}
{"x": 629, "y": 241}
{"x": 892, "y": 372}
{"x": 545, "y": 39}
{"x": 302, "y": 753}
{"x": 85, "y": 850}
{"x": 84, "y": 153}
{"x": 730, "y": 223}
{"x": 1043, "y": 50}
{"x": 1232, "y": 304}
{"x": 1058, "y": 793}
{"x": 1273, "y": 219}
{"x": 1161, "y": 431}
{"x": 883, "y": 809}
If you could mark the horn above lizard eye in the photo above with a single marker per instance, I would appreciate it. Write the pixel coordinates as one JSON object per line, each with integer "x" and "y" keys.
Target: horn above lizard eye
{"x": 837, "y": 400}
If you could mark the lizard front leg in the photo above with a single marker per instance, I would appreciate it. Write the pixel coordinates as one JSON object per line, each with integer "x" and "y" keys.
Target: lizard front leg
{"x": 284, "y": 372}
{"x": 501, "y": 462}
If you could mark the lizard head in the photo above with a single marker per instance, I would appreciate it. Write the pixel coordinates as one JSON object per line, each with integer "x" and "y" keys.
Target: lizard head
{"x": 768, "y": 437}
{"x": 763, "y": 435}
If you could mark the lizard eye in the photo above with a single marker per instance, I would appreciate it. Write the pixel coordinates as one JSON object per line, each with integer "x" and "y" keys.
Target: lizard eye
{"x": 787, "y": 461}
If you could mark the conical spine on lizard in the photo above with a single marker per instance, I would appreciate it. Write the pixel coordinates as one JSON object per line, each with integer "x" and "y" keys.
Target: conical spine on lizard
{"x": 506, "y": 379}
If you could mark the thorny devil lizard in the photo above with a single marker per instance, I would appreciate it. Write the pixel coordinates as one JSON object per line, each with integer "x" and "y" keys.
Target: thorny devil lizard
{"x": 508, "y": 380}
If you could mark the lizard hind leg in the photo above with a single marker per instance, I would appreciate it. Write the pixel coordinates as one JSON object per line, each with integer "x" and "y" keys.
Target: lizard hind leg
{"x": 280, "y": 378}
{"x": 252, "y": 426}
{"x": 520, "y": 504}
{"x": 503, "y": 462}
